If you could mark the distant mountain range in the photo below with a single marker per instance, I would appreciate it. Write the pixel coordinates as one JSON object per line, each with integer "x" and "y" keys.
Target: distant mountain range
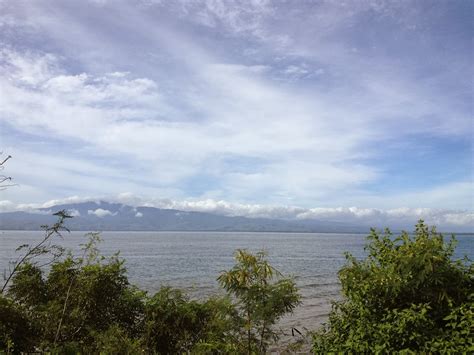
{"x": 105, "y": 216}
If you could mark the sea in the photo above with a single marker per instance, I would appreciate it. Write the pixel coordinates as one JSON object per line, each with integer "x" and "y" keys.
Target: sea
{"x": 193, "y": 260}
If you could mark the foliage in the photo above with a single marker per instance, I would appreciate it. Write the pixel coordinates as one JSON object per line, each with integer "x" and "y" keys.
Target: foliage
{"x": 262, "y": 295}
{"x": 43, "y": 247}
{"x": 223, "y": 329}
{"x": 85, "y": 304}
{"x": 17, "y": 332}
{"x": 408, "y": 295}
{"x": 116, "y": 341}
{"x": 174, "y": 324}
{"x": 79, "y": 298}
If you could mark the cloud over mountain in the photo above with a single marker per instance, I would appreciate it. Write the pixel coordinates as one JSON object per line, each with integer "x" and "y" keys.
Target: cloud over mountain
{"x": 406, "y": 217}
{"x": 100, "y": 213}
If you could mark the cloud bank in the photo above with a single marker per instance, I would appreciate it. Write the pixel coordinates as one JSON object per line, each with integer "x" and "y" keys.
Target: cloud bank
{"x": 444, "y": 218}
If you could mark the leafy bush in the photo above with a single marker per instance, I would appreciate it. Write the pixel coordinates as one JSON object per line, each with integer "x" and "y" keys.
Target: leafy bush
{"x": 263, "y": 296}
{"x": 407, "y": 295}
{"x": 116, "y": 341}
{"x": 79, "y": 298}
{"x": 175, "y": 324}
{"x": 17, "y": 332}
{"x": 86, "y": 305}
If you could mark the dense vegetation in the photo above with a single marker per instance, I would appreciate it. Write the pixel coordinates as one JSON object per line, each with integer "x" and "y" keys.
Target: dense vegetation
{"x": 407, "y": 295}
{"x": 86, "y": 304}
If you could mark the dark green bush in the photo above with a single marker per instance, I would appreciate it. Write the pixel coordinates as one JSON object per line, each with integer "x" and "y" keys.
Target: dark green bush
{"x": 174, "y": 324}
{"x": 116, "y": 341}
{"x": 79, "y": 298}
{"x": 17, "y": 331}
{"x": 86, "y": 305}
{"x": 407, "y": 295}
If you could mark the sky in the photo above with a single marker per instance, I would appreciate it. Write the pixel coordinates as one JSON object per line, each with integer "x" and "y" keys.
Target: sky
{"x": 344, "y": 110}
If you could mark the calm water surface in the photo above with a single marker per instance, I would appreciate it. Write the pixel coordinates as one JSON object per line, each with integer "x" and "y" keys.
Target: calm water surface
{"x": 193, "y": 260}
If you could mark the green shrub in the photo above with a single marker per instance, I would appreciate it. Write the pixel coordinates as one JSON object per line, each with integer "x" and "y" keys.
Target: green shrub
{"x": 262, "y": 296}
{"x": 17, "y": 331}
{"x": 407, "y": 295}
{"x": 116, "y": 341}
{"x": 78, "y": 298}
{"x": 86, "y": 305}
{"x": 175, "y": 324}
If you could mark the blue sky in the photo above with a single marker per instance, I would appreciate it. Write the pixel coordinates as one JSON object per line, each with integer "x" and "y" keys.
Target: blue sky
{"x": 324, "y": 105}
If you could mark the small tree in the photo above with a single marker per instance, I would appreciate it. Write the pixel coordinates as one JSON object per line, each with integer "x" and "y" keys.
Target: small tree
{"x": 407, "y": 295}
{"x": 263, "y": 296}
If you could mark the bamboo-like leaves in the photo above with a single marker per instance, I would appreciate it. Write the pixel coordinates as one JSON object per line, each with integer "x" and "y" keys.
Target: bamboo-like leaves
{"x": 262, "y": 297}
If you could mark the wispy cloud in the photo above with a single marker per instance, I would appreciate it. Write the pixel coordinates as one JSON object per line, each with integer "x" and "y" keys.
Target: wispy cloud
{"x": 260, "y": 102}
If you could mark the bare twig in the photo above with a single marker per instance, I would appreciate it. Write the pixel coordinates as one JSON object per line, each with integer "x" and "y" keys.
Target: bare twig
{"x": 64, "y": 310}
{"x": 4, "y": 178}
{"x": 39, "y": 248}
{"x": 5, "y": 160}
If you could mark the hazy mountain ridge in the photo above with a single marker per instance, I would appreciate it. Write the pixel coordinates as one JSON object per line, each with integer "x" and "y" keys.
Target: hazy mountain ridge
{"x": 114, "y": 216}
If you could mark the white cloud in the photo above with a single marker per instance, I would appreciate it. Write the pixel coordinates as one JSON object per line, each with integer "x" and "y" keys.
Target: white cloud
{"x": 459, "y": 219}
{"x": 404, "y": 216}
{"x": 238, "y": 17}
{"x": 174, "y": 118}
{"x": 398, "y": 216}
{"x": 100, "y": 213}
{"x": 6, "y": 206}
{"x": 74, "y": 213}
{"x": 119, "y": 114}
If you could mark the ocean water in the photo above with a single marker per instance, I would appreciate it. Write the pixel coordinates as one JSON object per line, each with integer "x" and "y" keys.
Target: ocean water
{"x": 193, "y": 260}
